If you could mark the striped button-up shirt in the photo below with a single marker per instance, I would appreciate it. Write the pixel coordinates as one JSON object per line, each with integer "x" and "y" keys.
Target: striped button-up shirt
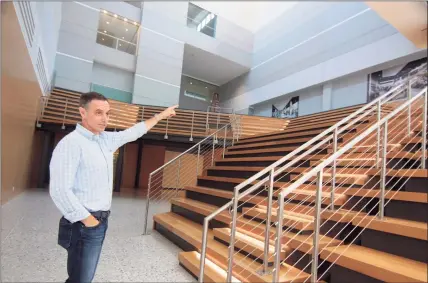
{"x": 81, "y": 170}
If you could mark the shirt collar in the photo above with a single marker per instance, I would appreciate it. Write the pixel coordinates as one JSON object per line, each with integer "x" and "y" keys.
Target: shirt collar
{"x": 86, "y": 133}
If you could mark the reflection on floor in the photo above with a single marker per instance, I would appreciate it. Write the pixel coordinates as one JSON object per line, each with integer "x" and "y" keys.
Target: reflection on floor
{"x": 29, "y": 252}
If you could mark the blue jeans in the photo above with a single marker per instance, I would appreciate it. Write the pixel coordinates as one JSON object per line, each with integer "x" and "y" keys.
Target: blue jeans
{"x": 83, "y": 246}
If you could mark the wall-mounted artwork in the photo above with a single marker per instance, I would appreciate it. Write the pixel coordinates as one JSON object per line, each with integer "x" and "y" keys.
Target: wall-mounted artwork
{"x": 290, "y": 110}
{"x": 382, "y": 81}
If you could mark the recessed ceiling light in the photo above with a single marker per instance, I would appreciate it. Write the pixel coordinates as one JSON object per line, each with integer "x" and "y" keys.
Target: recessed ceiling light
{"x": 108, "y": 23}
{"x": 206, "y": 87}
{"x": 102, "y": 38}
{"x": 105, "y": 12}
{"x": 105, "y": 31}
{"x": 191, "y": 83}
{"x": 135, "y": 23}
{"x": 115, "y": 15}
{"x": 125, "y": 19}
{"x": 123, "y": 37}
{"x": 120, "y": 44}
{"x": 126, "y": 29}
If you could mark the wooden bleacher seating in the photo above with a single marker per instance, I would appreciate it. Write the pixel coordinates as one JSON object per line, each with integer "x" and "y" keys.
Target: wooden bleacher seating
{"x": 61, "y": 106}
{"x": 370, "y": 258}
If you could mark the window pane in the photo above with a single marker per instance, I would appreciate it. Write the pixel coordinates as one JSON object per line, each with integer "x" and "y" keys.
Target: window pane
{"x": 201, "y": 20}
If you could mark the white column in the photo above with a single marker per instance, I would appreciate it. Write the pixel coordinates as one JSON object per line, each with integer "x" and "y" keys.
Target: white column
{"x": 327, "y": 96}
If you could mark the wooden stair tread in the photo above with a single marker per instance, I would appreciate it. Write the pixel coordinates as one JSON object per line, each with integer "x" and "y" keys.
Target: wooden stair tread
{"x": 249, "y": 244}
{"x": 293, "y": 220}
{"x": 302, "y": 242}
{"x": 218, "y": 253}
{"x": 224, "y": 194}
{"x": 212, "y": 272}
{"x": 279, "y": 136}
{"x": 376, "y": 264}
{"x": 270, "y": 143}
{"x": 407, "y": 228}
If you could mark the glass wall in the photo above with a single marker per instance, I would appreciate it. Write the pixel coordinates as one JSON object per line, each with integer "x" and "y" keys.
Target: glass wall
{"x": 201, "y": 20}
{"x": 118, "y": 32}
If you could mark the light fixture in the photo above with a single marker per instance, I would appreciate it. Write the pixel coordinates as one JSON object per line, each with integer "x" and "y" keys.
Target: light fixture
{"x": 115, "y": 15}
{"x": 102, "y": 38}
{"x": 125, "y": 19}
{"x": 105, "y": 31}
{"x": 108, "y": 23}
{"x": 206, "y": 87}
{"x": 120, "y": 44}
{"x": 135, "y": 23}
{"x": 105, "y": 12}
{"x": 123, "y": 37}
{"x": 191, "y": 83}
{"x": 126, "y": 29}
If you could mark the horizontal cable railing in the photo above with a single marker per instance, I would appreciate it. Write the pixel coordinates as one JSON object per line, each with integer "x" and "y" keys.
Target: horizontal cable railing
{"x": 62, "y": 107}
{"x": 259, "y": 190}
{"x": 174, "y": 176}
{"x": 386, "y": 179}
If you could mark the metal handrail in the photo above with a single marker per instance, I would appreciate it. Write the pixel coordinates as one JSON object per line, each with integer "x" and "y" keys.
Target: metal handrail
{"x": 214, "y": 136}
{"x": 194, "y": 146}
{"x": 350, "y": 144}
{"x": 334, "y": 130}
{"x": 318, "y": 170}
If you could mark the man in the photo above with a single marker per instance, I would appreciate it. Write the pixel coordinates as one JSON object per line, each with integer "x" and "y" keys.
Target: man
{"x": 81, "y": 182}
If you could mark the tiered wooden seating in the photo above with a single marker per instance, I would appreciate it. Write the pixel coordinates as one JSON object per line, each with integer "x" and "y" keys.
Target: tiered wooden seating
{"x": 370, "y": 260}
{"x": 61, "y": 107}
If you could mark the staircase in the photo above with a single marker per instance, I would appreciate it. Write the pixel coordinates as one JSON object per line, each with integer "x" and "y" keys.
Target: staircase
{"x": 339, "y": 196}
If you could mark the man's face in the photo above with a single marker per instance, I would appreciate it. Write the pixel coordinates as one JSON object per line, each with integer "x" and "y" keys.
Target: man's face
{"x": 96, "y": 115}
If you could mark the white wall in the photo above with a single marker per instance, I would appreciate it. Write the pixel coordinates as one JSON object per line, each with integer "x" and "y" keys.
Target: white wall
{"x": 349, "y": 90}
{"x": 251, "y": 15}
{"x": 310, "y": 101}
{"x": 312, "y": 43}
{"x": 49, "y": 18}
{"x": 39, "y": 23}
{"x": 112, "y": 77}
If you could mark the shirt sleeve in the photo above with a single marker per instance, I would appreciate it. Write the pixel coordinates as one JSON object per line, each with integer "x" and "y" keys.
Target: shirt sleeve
{"x": 117, "y": 139}
{"x": 63, "y": 168}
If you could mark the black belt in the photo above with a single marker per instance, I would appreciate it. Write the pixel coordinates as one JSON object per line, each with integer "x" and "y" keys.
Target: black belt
{"x": 101, "y": 214}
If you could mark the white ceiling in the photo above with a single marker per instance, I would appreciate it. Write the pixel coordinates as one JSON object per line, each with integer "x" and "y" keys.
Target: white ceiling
{"x": 208, "y": 67}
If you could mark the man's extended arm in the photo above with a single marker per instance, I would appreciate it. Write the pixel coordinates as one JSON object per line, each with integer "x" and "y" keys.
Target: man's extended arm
{"x": 63, "y": 168}
{"x": 117, "y": 139}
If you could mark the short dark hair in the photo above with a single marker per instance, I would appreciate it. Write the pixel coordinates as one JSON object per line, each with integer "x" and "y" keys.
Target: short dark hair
{"x": 87, "y": 97}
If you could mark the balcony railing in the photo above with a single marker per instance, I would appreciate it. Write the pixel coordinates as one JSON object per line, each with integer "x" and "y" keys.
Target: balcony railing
{"x": 116, "y": 43}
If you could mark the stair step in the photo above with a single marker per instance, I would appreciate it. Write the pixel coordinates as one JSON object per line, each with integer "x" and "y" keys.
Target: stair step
{"x": 225, "y": 194}
{"x": 248, "y": 244}
{"x": 376, "y": 264}
{"x": 299, "y": 194}
{"x": 292, "y": 220}
{"x": 269, "y": 143}
{"x": 244, "y": 269}
{"x": 349, "y": 179}
{"x": 303, "y": 243}
{"x": 212, "y": 272}
{"x": 407, "y": 228}
{"x": 283, "y": 135}
{"x": 263, "y": 150}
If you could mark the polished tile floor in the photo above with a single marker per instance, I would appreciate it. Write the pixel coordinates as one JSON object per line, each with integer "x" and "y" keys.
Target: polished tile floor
{"x": 29, "y": 252}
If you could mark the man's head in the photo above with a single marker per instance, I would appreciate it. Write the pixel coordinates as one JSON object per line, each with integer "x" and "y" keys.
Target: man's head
{"x": 94, "y": 109}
